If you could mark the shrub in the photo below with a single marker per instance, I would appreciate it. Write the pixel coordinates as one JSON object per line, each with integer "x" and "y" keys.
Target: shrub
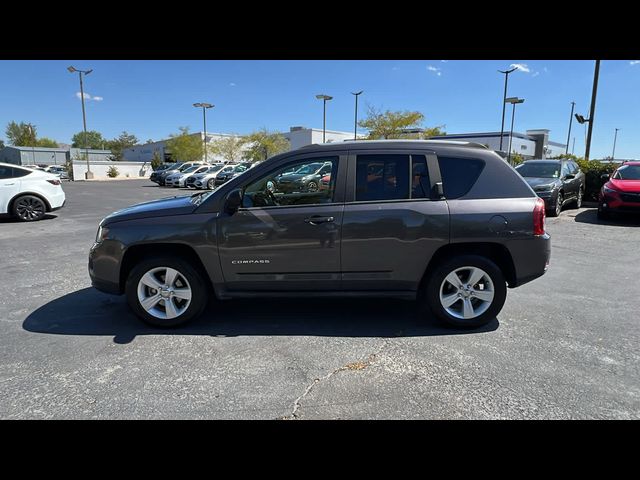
{"x": 593, "y": 170}
{"x": 156, "y": 161}
{"x": 113, "y": 172}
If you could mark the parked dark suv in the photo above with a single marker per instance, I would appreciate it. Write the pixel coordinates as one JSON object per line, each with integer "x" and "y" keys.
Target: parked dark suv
{"x": 447, "y": 223}
{"x": 557, "y": 182}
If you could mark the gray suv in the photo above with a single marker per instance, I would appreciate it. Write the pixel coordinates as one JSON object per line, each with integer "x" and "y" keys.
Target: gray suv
{"x": 446, "y": 223}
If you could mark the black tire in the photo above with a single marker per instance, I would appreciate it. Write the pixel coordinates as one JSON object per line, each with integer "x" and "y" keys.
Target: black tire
{"x": 578, "y": 201}
{"x": 556, "y": 211}
{"x": 199, "y": 291}
{"x": 431, "y": 295}
{"x": 211, "y": 184}
{"x": 603, "y": 214}
{"x": 28, "y": 208}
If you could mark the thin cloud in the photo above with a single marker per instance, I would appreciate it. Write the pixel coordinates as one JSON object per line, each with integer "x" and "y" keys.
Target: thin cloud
{"x": 444, "y": 61}
{"x": 435, "y": 70}
{"x": 634, "y": 62}
{"x": 535, "y": 74}
{"x": 89, "y": 97}
{"x": 232, "y": 84}
{"x": 523, "y": 67}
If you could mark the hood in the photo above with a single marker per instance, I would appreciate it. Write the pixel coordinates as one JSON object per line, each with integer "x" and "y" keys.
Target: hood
{"x": 294, "y": 177}
{"x": 538, "y": 182}
{"x": 629, "y": 186}
{"x": 158, "y": 208}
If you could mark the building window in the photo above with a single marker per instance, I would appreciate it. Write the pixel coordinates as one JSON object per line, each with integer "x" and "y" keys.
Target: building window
{"x": 523, "y": 147}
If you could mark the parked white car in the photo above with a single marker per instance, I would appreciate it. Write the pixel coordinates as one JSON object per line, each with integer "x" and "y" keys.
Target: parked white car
{"x": 178, "y": 179}
{"x": 29, "y": 194}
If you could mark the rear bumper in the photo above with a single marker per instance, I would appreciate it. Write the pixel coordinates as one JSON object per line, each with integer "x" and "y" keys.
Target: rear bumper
{"x": 57, "y": 200}
{"x": 530, "y": 257}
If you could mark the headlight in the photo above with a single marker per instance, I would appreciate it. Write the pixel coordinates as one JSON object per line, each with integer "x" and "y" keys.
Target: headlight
{"x": 101, "y": 234}
{"x": 544, "y": 188}
{"x": 609, "y": 190}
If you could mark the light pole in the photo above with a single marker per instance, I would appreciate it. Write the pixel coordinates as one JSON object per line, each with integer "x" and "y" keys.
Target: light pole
{"x": 204, "y": 119}
{"x": 355, "y": 128}
{"x": 324, "y": 99}
{"x": 592, "y": 113}
{"x": 88, "y": 174}
{"x": 573, "y": 104}
{"x": 504, "y": 100}
{"x": 33, "y": 145}
{"x": 615, "y": 137}
{"x": 513, "y": 101}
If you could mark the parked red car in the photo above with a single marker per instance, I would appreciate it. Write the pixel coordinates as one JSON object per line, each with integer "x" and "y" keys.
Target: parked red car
{"x": 621, "y": 193}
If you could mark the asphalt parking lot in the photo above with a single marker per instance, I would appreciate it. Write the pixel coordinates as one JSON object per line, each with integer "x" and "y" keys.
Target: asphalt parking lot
{"x": 564, "y": 347}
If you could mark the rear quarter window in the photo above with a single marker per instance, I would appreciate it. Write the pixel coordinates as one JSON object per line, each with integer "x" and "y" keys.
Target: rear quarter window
{"x": 459, "y": 175}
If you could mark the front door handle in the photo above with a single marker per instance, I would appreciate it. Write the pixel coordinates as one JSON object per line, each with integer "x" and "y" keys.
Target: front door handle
{"x": 317, "y": 219}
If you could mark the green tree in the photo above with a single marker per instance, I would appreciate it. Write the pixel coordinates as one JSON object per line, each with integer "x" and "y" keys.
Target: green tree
{"x": 95, "y": 140}
{"x": 117, "y": 145}
{"x": 229, "y": 148}
{"x": 156, "y": 160}
{"x": 185, "y": 147}
{"x": 433, "y": 132}
{"x": 1, "y": 144}
{"x": 264, "y": 144}
{"x": 390, "y": 124}
{"x": 149, "y": 141}
{"x": 21, "y": 134}
{"x": 46, "y": 142}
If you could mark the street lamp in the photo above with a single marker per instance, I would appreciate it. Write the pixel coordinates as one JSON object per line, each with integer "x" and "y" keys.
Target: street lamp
{"x": 513, "y": 101}
{"x": 504, "y": 100}
{"x": 613, "y": 155}
{"x": 592, "y": 112}
{"x": 573, "y": 104}
{"x": 88, "y": 174}
{"x": 204, "y": 107}
{"x": 324, "y": 98}
{"x": 355, "y": 128}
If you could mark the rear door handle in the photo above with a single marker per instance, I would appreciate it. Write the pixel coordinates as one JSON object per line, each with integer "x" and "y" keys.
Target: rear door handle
{"x": 317, "y": 219}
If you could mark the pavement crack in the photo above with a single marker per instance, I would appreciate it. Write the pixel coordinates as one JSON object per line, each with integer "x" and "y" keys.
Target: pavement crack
{"x": 357, "y": 365}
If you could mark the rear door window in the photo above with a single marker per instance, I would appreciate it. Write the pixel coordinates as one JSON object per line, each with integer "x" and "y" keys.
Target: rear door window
{"x": 382, "y": 177}
{"x": 459, "y": 175}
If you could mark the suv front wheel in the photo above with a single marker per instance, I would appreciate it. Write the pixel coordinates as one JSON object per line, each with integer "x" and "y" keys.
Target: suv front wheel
{"x": 466, "y": 291}
{"x": 165, "y": 291}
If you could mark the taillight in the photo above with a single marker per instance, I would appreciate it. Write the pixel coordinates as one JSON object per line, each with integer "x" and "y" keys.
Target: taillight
{"x": 54, "y": 182}
{"x": 539, "y": 217}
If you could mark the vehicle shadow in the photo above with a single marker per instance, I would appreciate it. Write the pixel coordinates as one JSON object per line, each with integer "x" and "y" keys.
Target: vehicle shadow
{"x": 89, "y": 312}
{"x": 616, "y": 220}
{"x": 4, "y": 218}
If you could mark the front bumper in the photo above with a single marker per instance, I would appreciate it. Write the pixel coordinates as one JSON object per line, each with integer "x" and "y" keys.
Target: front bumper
{"x": 622, "y": 202}
{"x": 105, "y": 259}
{"x": 550, "y": 198}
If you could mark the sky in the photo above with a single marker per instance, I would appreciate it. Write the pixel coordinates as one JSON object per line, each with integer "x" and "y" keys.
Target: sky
{"x": 152, "y": 99}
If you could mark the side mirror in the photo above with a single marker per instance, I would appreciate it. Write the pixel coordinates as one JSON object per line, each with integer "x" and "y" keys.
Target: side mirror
{"x": 233, "y": 201}
{"x": 605, "y": 177}
{"x": 438, "y": 190}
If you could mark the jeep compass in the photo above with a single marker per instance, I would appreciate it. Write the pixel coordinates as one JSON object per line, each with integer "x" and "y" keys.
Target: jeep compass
{"x": 449, "y": 224}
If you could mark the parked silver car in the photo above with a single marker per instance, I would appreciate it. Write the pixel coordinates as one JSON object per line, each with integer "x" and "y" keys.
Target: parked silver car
{"x": 209, "y": 180}
{"x": 179, "y": 179}
{"x": 191, "y": 181}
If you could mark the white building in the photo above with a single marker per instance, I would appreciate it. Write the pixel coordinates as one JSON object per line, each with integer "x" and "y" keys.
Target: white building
{"x": 300, "y": 136}
{"x": 533, "y": 144}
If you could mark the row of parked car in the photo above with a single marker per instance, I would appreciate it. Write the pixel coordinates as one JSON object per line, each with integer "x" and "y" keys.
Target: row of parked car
{"x": 58, "y": 170}
{"x": 198, "y": 175}
{"x": 561, "y": 182}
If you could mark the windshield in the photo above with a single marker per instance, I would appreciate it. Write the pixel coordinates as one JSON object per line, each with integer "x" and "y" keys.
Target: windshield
{"x": 190, "y": 169}
{"x": 311, "y": 168}
{"x": 539, "y": 170}
{"x": 627, "y": 172}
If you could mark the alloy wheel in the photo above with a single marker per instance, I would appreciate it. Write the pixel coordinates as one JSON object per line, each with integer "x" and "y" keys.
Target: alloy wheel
{"x": 164, "y": 293}
{"x": 467, "y": 292}
{"x": 29, "y": 208}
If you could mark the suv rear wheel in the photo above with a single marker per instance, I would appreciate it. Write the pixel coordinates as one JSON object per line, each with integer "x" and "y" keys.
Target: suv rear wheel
{"x": 466, "y": 291}
{"x": 165, "y": 291}
{"x": 28, "y": 208}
